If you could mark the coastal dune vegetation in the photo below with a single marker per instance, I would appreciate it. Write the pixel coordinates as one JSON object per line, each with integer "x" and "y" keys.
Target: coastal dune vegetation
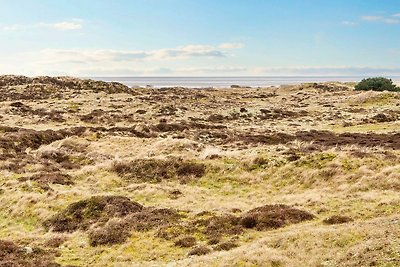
{"x": 100, "y": 174}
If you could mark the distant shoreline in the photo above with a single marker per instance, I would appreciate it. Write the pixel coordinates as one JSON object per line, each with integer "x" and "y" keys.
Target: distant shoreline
{"x": 224, "y": 82}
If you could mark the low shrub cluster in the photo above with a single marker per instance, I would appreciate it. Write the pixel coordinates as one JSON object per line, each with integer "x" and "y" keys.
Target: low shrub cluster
{"x": 156, "y": 170}
{"x": 377, "y": 84}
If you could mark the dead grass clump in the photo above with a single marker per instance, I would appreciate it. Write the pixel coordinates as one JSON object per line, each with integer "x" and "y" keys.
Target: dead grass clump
{"x": 45, "y": 87}
{"x": 186, "y": 242}
{"x": 200, "y": 250}
{"x": 382, "y": 117}
{"x": 168, "y": 111}
{"x": 156, "y": 170}
{"x": 267, "y": 139}
{"x": 117, "y": 232}
{"x": 81, "y": 214}
{"x": 65, "y": 158}
{"x": 141, "y": 111}
{"x": 216, "y": 118}
{"x": 214, "y": 240}
{"x": 19, "y": 105}
{"x": 170, "y": 127}
{"x": 54, "y": 155}
{"x": 259, "y": 163}
{"x": 321, "y": 139}
{"x": 95, "y": 116}
{"x": 337, "y": 219}
{"x": 175, "y": 194}
{"x": 226, "y": 246}
{"x": 217, "y": 226}
{"x": 45, "y": 115}
{"x": 273, "y": 216}
{"x": 14, "y": 255}
{"x": 174, "y": 231}
{"x": 150, "y": 218}
{"x": 45, "y": 179}
{"x": 212, "y": 227}
{"x": 275, "y": 114}
{"x": 55, "y": 242}
{"x": 327, "y": 138}
{"x": 19, "y": 139}
{"x": 112, "y": 233}
{"x": 16, "y": 163}
{"x": 211, "y": 136}
{"x": 110, "y": 117}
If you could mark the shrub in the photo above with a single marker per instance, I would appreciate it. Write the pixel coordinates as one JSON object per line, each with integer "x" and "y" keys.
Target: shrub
{"x": 337, "y": 219}
{"x": 200, "y": 250}
{"x": 81, "y": 214}
{"x": 377, "y": 84}
{"x": 112, "y": 233}
{"x": 226, "y": 246}
{"x": 186, "y": 242}
{"x": 156, "y": 170}
{"x": 273, "y": 217}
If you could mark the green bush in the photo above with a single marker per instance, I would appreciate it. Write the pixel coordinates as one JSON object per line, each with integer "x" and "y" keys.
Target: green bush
{"x": 377, "y": 84}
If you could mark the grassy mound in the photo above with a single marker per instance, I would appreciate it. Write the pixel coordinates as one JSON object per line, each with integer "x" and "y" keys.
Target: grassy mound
{"x": 81, "y": 214}
{"x": 156, "y": 170}
{"x": 273, "y": 216}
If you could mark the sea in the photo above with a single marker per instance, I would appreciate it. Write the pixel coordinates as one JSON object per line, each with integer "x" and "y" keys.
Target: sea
{"x": 219, "y": 82}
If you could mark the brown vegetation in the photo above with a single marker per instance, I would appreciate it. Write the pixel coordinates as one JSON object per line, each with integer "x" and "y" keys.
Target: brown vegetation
{"x": 273, "y": 216}
{"x": 337, "y": 219}
{"x": 318, "y": 148}
{"x": 81, "y": 214}
{"x": 14, "y": 255}
{"x": 156, "y": 170}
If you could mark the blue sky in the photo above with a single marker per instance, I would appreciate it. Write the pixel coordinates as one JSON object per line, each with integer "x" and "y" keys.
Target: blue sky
{"x": 199, "y": 37}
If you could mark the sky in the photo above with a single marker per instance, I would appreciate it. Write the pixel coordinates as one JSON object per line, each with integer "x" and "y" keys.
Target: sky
{"x": 200, "y": 37}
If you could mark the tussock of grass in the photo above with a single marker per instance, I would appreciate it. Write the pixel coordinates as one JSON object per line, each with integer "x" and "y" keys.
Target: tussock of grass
{"x": 156, "y": 170}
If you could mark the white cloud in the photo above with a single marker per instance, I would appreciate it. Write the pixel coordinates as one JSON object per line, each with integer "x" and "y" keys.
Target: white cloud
{"x": 327, "y": 71}
{"x": 65, "y": 25}
{"x": 231, "y": 45}
{"x": 387, "y": 20}
{"x": 391, "y": 21}
{"x": 371, "y": 18}
{"x": 74, "y": 24}
{"x": 188, "y": 59}
{"x": 205, "y": 70}
{"x": 86, "y": 56}
{"x": 217, "y": 69}
{"x": 349, "y": 23}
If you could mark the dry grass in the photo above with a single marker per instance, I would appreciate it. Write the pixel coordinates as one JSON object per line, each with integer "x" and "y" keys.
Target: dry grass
{"x": 176, "y": 177}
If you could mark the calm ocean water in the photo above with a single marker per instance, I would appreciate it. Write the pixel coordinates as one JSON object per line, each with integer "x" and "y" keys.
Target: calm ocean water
{"x": 201, "y": 82}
